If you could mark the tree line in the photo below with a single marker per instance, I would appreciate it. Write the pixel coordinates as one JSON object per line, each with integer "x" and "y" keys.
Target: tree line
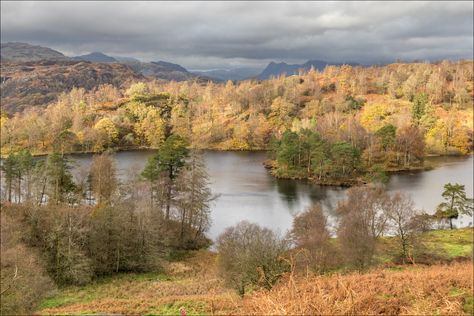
{"x": 364, "y": 106}
{"x": 77, "y": 228}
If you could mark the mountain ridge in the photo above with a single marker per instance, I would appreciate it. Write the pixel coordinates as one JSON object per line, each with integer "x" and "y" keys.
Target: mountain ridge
{"x": 237, "y": 74}
{"x": 24, "y": 52}
{"x": 97, "y": 57}
{"x": 275, "y": 69}
{"x": 16, "y": 52}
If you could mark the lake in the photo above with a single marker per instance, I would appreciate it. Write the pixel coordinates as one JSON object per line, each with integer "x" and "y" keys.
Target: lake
{"x": 248, "y": 192}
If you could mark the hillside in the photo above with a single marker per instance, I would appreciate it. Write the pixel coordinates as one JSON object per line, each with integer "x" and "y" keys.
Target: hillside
{"x": 193, "y": 284}
{"x": 23, "y": 52}
{"x": 160, "y": 70}
{"x": 96, "y": 57}
{"x": 276, "y": 69}
{"x": 418, "y": 290}
{"x": 35, "y": 75}
{"x": 370, "y": 112}
{"x": 382, "y": 291}
{"x": 28, "y": 84}
{"x": 229, "y": 74}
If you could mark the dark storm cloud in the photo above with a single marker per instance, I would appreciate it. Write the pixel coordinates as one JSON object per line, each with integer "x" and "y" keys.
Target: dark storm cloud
{"x": 231, "y": 34}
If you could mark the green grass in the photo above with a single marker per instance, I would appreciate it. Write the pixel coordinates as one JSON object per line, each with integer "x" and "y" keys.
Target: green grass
{"x": 448, "y": 244}
{"x": 138, "y": 288}
{"x": 191, "y": 308}
{"x": 69, "y": 297}
{"x": 99, "y": 288}
{"x": 468, "y": 305}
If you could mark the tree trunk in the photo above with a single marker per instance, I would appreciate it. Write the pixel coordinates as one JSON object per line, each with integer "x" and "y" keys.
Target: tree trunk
{"x": 118, "y": 260}
{"x": 19, "y": 188}
{"x": 452, "y": 205}
{"x": 183, "y": 216}
{"x": 9, "y": 190}
{"x": 42, "y": 192}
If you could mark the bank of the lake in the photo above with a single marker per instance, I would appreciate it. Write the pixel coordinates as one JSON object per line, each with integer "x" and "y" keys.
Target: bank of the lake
{"x": 247, "y": 191}
{"x": 194, "y": 284}
{"x": 358, "y": 179}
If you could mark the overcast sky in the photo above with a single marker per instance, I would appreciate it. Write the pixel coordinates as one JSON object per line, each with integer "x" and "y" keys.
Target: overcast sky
{"x": 204, "y": 35}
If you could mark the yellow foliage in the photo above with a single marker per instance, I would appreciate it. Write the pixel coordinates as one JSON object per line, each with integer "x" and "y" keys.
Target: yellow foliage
{"x": 137, "y": 89}
{"x": 105, "y": 124}
{"x": 152, "y": 128}
{"x": 374, "y": 116}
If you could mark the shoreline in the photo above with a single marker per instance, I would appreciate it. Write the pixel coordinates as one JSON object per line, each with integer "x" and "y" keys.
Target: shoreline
{"x": 270, "y": 165}
{"x": 129, "y": 149}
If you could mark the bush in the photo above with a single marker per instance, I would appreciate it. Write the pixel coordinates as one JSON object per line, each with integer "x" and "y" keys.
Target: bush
{"x": 24, "y": 282}
{"x": 250, "y": 255}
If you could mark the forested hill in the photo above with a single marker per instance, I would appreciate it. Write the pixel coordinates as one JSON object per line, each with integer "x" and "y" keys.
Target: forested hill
{"x": 37, "y": 83}
{"x": 391, "y": 114}
{"x": 35, "y": 76}
{"x": 277, "y": 69}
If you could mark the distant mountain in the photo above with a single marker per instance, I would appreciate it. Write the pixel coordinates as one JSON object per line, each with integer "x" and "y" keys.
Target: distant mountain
{"x": 122, "y": 59}
{"x": 160, "y": 70}
{"x": 23, "y": 52}
{"x": 229, "y": 74}
{"x": 170, "y": 66}
{"x": 274, "y": 70}
{"x": 96, "y": 57}
{"x": 37, "y": 83}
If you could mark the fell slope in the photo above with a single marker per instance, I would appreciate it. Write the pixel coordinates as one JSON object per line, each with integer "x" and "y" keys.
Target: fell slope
{"x": 194, "y": 285}
{"x": 22, "y": 52}
{"x": 160, "y": 70}
{"x": 96, "y": 57}
{"x": 434, "y": 290}
{"x": 276, "y": 69}
{"x": 38, "y": 83}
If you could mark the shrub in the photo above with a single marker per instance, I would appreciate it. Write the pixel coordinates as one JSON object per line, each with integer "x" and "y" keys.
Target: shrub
{"x": 250, "y": 255}
{"x": 24, "y": 282}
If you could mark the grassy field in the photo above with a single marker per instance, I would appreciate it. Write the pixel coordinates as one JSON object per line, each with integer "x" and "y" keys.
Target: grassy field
{"x": 193, "y": 284}
{"x": 441, "y": 245}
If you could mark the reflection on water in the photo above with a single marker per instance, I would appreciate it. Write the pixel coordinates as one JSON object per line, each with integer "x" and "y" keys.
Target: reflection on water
{"x": 248, "y": 192}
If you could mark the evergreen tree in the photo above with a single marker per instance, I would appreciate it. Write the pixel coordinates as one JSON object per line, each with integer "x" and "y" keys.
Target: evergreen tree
{"x": 456, "y": 203}
{"x": 10, "y": 170}
{"x": 288, "y": 151}
{"x": 419, "y": 104}
{"x": 387, "y": 136}
{"x": 16, "y": 168}
{"x": 26, "y": 164}
{"x": 194, "y": 202}
{"x": 345, "y": 159}
{"x": 166, "y": 163}
{"x": 59, "y": 177}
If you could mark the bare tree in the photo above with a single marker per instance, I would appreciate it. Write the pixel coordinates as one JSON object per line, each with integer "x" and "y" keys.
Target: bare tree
{"x": 406, "y": 223}
{"x": 103, "y": 178}
{"x": 362, "y": 221}
{"x": 310, "y": 232}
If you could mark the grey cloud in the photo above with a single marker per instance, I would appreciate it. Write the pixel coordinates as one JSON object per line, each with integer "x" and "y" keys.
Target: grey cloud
{"x": 231, "y": 34}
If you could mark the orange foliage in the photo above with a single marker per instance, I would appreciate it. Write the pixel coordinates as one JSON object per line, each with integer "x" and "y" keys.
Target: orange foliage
{"x": 415, "y": 291}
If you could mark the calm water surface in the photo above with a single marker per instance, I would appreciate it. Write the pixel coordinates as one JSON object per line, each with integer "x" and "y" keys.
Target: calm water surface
{"x": 248, "y": 192}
